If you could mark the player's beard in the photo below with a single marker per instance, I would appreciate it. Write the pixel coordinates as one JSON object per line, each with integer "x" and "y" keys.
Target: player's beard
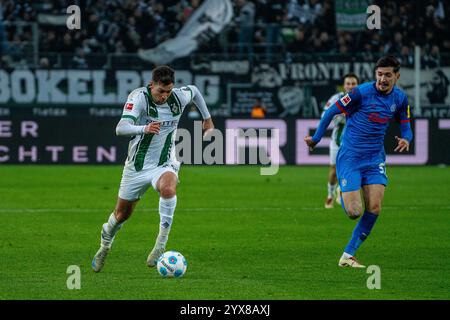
{"x": 383, "y": 87}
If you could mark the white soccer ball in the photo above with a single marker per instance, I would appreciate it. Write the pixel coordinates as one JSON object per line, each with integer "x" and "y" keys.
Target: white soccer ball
{"x": 171, "y": 264}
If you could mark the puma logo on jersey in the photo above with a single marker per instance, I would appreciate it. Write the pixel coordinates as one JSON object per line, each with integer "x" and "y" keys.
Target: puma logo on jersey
{"x": 346, "y": 99}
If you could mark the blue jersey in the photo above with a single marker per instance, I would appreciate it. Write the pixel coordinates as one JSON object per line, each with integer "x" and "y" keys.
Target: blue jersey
{"x": 368, "y": 113}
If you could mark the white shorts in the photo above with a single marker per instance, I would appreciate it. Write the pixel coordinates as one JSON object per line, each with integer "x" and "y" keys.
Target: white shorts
{"x": 135, "y": 183}
{"x": 334, "y": 148}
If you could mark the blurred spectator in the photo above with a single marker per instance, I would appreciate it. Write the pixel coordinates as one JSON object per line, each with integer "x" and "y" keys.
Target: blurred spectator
{"x": 67, "y": 46}
{"x": 299, "y": 44}
{"x": 431, "y": 58}
{"x": 50, "y": 42}
{"x": 406, "y": 57}
{"x": 15, "y": 48}
{"x": 187, "y": 11}
{"x": 275, "y": 27}
{"x": 367, "y": 54}
{"x": 273, "y": 13}
{"x": 79, "y": 59}
{"x": 245, "y": 21}
{"x": 438, "y": 88}
{"x": 303, "y": 11}
{"x": 44, "y": 63}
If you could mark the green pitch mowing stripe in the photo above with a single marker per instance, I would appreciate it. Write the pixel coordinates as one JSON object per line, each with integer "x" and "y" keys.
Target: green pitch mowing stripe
{"x": 245, "y": 236}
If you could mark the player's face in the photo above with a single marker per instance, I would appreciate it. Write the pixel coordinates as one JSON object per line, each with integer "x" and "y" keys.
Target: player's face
{"x": 350, "y": 83}
{"x": 160, "y": 92}
{"x": 386, "y": 79}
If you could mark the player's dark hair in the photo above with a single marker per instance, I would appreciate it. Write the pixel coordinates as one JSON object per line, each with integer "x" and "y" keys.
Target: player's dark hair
{"x": 164, "y": 75}
{"x": 388, "y": 61}
{"x": 350, "y": 75}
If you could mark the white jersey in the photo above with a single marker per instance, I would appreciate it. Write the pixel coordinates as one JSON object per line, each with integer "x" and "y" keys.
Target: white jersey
{"x": 338, "y": 120}
{"x": 152, "y": 150}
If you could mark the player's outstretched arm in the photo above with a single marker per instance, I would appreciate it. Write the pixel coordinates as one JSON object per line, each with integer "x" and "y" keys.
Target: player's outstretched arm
{"x": 126, "y": 128}
{"x": 311, "y": 142}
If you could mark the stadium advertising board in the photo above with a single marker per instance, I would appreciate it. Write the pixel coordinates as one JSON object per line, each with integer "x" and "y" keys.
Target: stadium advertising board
{"x": 87, "y": 135}
{"x": 230, "y": 88}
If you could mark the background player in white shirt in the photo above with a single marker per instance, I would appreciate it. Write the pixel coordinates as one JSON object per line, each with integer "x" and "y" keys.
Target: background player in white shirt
{"x": 350, "y": 81}
{"x": 150, "y": 117}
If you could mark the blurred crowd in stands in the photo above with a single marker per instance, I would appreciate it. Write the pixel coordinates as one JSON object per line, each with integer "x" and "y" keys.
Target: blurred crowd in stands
{"x": 259, "y": 27}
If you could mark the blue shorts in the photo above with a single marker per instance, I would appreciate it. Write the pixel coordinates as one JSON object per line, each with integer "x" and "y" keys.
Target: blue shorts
{"x": 355, "y": 170}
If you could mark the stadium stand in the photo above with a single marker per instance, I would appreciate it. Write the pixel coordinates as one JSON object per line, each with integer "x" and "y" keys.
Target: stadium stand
{"x": 259, "y": 28}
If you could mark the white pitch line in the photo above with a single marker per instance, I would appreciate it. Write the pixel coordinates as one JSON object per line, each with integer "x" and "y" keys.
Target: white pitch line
{"x": 32, "y": 210}
{"x": 199, "y": 209}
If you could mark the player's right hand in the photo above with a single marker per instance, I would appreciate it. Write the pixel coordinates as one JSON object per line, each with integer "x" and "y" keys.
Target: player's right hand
{"x": 402, "y": 144}
{"x": 310, "y": 143}
{"x": 152, "y": 127}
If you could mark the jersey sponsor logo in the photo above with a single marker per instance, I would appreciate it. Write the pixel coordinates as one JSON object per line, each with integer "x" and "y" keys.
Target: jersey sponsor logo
{"x": 169, "y": 123}
{"x": 346, "y": 99}
{"x": 129, "y": 106}
{"x": 375, "y": 117}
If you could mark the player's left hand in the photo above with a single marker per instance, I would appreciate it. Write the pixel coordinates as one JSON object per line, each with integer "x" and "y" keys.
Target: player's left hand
{"x": 310, "y": 142}
{"x": 402, "y": 144}
{"x": 208, "y": 126}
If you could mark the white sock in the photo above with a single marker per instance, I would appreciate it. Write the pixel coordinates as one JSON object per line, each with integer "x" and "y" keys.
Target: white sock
{"x": 109, "y": 231}
{"x": 331, "y": 189}
{"x": 166, "y": 211}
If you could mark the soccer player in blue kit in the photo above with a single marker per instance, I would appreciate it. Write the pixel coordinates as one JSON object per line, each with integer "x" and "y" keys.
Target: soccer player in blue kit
{"x": 361, "y": 158}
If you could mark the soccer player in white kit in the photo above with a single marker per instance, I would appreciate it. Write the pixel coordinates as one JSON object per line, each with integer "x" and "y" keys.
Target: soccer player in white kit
{"x": 350, "y": 81}
{"x": 150, "y": 117}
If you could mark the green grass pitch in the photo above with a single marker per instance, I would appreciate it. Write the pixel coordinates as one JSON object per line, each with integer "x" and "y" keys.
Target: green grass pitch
{"x": 245, "y": 236}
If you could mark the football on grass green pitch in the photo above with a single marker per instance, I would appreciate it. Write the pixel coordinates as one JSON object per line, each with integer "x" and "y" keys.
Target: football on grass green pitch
{"x": 172, "y": 264}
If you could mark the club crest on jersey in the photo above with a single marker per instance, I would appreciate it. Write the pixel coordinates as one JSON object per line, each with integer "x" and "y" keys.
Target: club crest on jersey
{"x": 174, "y": 108}
{"x": 129, "y": 106}
{"x": 393, "y": 107}
{"x": 346, "y": 99}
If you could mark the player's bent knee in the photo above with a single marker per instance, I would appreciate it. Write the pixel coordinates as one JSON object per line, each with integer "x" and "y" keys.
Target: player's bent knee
{"x": 353, "y": 216}
{"x": 375, "y": 208}
{"x": 122, "y": 214}
{"x": 168, "y": 192}
{"x": 354, "y": 212}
